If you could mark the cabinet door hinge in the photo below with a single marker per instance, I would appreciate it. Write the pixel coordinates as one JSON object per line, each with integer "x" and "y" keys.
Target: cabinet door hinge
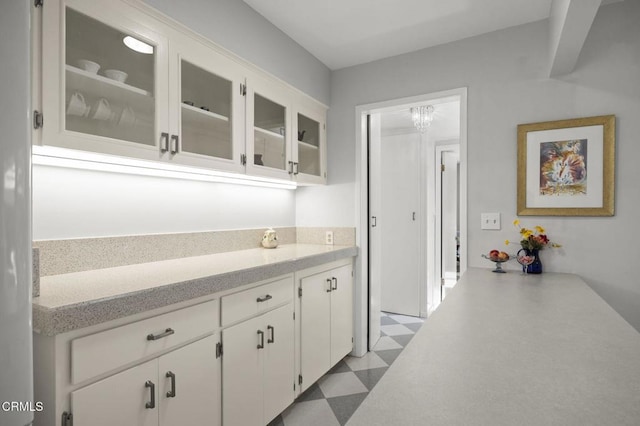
{"x": 294, "y": 386}
{"x": 218, "y": 350}
{"x": 243, "y": 159}
{"x": 299, "y": 291}
{"x": 67, "y": 419}
{"x": 243, "y": 89}
{"x": 38, "y": 119}
{"x": 38, "y": 3}
{"x": 325, "y": 175}
{"x": 442, "y": 167}
{"x": 300, "y": 379}
{"x": 294, "y": 316}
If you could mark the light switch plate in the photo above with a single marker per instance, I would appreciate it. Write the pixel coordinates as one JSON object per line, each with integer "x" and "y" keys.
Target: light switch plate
{"x": 490, "y": 220}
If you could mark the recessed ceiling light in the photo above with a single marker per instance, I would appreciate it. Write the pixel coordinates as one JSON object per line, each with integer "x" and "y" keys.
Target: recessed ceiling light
{"x": 137, "y": 45}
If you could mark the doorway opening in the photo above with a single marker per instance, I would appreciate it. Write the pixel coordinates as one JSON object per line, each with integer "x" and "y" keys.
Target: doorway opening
{"x": 412, "y": 211}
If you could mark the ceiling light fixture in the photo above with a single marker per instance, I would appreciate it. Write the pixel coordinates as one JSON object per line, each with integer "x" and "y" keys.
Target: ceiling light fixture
{"x": 422, "y": 117}
{"x": 137, "y": 45}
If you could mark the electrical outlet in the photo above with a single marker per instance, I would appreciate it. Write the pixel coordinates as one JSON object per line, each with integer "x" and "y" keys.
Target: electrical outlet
{"x": 328, "y": 237}
{"x": 490, "y": 220}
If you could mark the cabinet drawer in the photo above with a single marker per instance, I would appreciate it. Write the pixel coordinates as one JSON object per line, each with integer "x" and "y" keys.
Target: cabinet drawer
{"x": 107, "y": 350}
{"x": 245, "y": 304}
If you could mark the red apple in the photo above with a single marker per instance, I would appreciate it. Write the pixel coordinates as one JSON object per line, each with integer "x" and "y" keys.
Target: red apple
{"x": 494, "y": 253}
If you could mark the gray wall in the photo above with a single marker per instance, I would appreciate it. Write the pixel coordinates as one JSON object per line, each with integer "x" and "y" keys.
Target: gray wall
{"x": 235, "y": 26}
{"x": 507, "y": 85}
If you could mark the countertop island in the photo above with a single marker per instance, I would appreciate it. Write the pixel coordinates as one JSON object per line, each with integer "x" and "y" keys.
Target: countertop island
{"x": 507, "y": 349}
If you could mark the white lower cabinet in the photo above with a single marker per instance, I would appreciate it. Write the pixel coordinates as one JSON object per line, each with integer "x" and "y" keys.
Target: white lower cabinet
{"x": 258, "y": 367}
{"x": 178, "y": 388}
{"x": 326, "y": 321}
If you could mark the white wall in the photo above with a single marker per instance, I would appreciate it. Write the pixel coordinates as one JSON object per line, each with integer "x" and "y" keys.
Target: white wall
{"x": 505, "y": 73}
{"x": 70, "y": 203}
{"x": 237, "y": 27}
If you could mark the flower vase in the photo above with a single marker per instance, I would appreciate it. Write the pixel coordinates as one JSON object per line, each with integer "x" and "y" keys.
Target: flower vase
{"x": 536, "y": 266}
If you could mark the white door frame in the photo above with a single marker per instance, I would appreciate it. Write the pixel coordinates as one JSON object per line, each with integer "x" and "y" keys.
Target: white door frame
{"x": 362, "y": 199}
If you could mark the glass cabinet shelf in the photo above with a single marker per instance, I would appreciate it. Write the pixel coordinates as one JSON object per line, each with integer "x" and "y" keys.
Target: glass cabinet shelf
{"x": 269, "y": 133}
{"x": 306, "y": 145}
{"x": 99, "y": 85}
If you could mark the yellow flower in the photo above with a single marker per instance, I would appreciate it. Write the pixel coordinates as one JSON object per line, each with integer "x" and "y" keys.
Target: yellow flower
{"x": 506, "y": 242}
{"x": 540, "y": 229}
{"x": 527, "y": 233}
{"x": 516, "y": 222}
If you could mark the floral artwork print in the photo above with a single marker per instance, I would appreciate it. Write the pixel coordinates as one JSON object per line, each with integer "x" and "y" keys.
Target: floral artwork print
{"x": 563, "y": 167}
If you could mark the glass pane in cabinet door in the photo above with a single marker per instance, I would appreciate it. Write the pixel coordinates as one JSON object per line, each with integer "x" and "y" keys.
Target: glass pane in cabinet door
{"x": 109, "y": 78}
{"x": 206, "y": 113}
{"x": 308, "y": 146}
{"x": 269, "y": 134}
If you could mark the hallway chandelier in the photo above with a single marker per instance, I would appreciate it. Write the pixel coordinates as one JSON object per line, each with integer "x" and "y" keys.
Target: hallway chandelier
{"x": 422, "y": 117}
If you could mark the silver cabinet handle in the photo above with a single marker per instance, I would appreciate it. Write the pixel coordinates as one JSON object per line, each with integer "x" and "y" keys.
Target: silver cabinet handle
{"x": 330, "y": 286}
{"x": 164, "y": 142}
{"x": 172, "y": 392}
{"x": 296, "y": 168}
{"x": 261, "y": 344}
{"x": 374, "y": 221}
{"x": 264, "y": 299}
{"x": 152, "y": 391}
{"x": 175, "y": 144}
{"x": 167, "y": 332}
{"x": 335, "y": 283}
{"x": 290, "y": 167}
{"x": 273, "y": 334}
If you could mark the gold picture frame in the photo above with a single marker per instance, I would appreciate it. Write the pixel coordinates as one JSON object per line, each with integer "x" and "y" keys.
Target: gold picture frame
{"x": 567, "y": 167}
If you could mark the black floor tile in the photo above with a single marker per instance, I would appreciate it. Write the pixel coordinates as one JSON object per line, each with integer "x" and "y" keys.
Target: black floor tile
{"x": 276, "y": 422}
{"x": 403, "y": 339}
{"x": 370, "y": 377}
{"x": 340, "y": 367}
{"x": 387, "y": 321}
{"x": 314, "y": 392}
{"x": 414, "y": 326}
{"x": 389, "y": 355}
{"x": 344, "y": 406}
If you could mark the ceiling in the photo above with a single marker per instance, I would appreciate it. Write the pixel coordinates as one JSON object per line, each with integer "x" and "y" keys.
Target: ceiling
{"x": 342, "y": 33}
{"x": 445, "y": 125}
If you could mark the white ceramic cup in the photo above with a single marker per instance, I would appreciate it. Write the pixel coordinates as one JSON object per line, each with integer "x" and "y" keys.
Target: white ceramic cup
{"x": 101, "y": 110}
{"x": 116, "y": 75}
{"x": 77, "y": 105}
{"x": 88, "y": 65}
{"x": 127, "y": 117}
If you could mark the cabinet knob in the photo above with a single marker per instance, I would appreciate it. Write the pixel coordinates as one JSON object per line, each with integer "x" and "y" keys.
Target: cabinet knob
{"x": 273, "y": 334}
{"x": 167, "y": 332}
{"x": 171, "y": 393}
{"x": 152, "y": 393}
{"x": 261, "y": 344}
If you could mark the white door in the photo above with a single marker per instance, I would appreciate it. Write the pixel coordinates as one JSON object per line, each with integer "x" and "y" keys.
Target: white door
{"x": 447, "y": 217}
{"x": 399, "y": 223}
{"x": 278, "y": 361}
{"x": 242, "y": 367}
{"x": 341, "y": 313}
{"x": 127, "y": 398}
{"x": 371, "y": 126}
{"x": 190, "y": 382}
{"x": 315, "y": 328}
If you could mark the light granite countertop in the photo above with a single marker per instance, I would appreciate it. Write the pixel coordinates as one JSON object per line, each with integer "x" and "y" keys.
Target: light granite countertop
{"x": 81, "y": 299}
{"x": 508, "y": 349}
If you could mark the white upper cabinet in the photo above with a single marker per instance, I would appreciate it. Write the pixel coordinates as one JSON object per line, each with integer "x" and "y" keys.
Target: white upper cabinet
{"x": 98, "y": 93}
{"x": 118, "y": 78}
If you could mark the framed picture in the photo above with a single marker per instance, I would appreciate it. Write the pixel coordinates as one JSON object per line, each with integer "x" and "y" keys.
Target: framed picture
{"x": 566, "y": 167}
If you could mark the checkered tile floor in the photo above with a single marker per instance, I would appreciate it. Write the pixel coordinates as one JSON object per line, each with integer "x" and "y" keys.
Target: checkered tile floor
{"x": 336, "y": 396}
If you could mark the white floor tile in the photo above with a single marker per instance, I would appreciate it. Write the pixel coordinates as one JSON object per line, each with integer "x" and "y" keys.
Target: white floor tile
{"x": 386, "y": 343}
{"x": 395, "y": 330}
{"x": 404, "y": 319}
{"x": 368, "y": 361}
{"x": 341, "y": 384}
{"x": 310, "y": 413}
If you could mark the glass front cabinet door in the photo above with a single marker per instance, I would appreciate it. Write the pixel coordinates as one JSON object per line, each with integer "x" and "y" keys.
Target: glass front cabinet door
{"x": 104, "y": 79}
{"x": 268, "y": 132}
{"x": 208, "y": 105}
{"x": 309, "y": 150}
